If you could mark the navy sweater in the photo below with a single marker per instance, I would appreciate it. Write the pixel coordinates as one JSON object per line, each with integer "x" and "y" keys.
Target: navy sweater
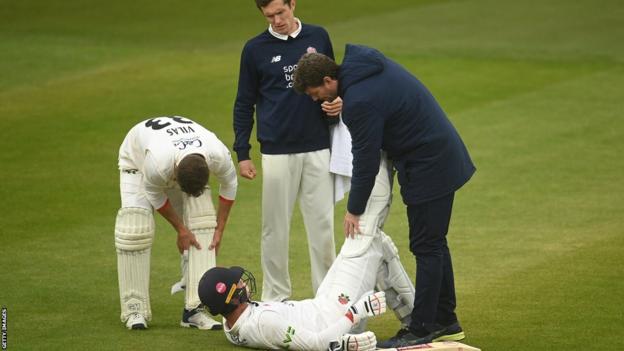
{"x": 287, "y": 122}
{"x": 386, "y": 107}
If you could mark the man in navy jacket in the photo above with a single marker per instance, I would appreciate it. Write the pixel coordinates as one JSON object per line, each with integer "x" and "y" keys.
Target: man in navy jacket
{"x": 386, "y": 108}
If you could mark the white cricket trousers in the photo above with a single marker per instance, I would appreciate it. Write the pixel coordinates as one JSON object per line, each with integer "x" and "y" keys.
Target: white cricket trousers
{"x": 284, "y": 178}
{"x": 347, "y": 281}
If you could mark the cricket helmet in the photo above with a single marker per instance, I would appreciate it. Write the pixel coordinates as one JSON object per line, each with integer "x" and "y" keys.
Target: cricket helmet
{"x": 218, "y": 289}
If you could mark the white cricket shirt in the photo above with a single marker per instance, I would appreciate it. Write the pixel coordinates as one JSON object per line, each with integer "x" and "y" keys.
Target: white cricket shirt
{"x": 292, "y": 325}
{"x": 155, "y": 146}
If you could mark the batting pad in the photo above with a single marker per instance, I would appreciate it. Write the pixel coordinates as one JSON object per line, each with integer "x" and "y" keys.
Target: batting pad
{"x": 201, "y": 220}
{"x": 134, "y": 233}
{"x": 378, "y": 204}
{"x": 374, "y": 216}
{"x": 356, "y": 246}
{"x": 394, "y": 281}
{"x": 441, "y": 346}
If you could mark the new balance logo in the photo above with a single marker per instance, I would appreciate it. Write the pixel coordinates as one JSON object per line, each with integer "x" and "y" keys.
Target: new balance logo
{"x": 277, "y": 58}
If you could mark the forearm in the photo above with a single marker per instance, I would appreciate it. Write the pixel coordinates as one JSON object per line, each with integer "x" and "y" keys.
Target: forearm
{"x": 244, "y": 107}
{"x": 169, "y": 213}
{"x": 279, "y": 333}
{"x": 243, "y": 125}
{"x": 366, "y": 127}
{"x": 185, "y": 238}
{"x": 361, "y": 188}
{"x": 334, "y": 331}
{"x": 223, "y": 212}
{"x": 308, "y": 340}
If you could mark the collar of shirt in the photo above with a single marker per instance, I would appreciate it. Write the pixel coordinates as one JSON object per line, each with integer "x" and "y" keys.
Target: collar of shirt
{"x": 283, "y": 36}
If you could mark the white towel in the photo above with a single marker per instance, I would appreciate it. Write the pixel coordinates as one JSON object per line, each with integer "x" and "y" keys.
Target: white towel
{"x": 340, "y": 162}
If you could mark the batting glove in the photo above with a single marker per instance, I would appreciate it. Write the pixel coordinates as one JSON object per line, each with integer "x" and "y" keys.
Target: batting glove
{"x": 367, "y": 306}
{"x": 356, "y": 342}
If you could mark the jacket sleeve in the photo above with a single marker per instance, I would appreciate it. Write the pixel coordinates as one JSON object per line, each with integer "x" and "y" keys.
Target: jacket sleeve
{"x": 329, "y": 52}
{"x": 244, "y": 106}
{"x": 277, "y": 333}
{"x": 366, "y": 126}
{"x": 330, "y": 48}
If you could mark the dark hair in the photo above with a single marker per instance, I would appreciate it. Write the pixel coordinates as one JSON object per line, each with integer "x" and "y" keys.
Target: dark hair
{"x": 263, "y": 3}
{"x": 311, "y": 69}
{"x": 192, "y": 174}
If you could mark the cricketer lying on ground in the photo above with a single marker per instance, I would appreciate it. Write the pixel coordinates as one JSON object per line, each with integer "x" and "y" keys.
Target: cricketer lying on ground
{"x": 367, "y": 260}
{"x": 312, "y": 324}
{"x": 148, "y": 157}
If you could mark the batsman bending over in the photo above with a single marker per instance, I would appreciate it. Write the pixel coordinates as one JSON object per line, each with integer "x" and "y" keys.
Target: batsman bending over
{"x": 164, "y": 164}
{"x": 341, "y": 302}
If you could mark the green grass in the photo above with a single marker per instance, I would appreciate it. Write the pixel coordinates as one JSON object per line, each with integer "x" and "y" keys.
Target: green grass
{"x": 534, "y": 87}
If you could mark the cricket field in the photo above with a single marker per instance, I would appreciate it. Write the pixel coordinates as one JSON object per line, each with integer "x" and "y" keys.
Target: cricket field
{"x": 535, "y": 88}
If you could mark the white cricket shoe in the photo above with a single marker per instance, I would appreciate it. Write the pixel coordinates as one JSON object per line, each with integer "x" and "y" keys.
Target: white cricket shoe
{"x": 198, "y": 318}
{"x": 136, "y": 321}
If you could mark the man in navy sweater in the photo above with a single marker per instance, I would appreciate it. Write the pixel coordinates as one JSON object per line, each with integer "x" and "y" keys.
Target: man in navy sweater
{"x": 294, "y": 141}
{"x": 387, "y": 108}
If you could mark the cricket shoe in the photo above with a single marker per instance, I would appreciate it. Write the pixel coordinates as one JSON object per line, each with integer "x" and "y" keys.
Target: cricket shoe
{"x": 198, "y": 318}
{"x": 451, "y": 332}
{"x": 392, "y": 342}
{"x": 405, "y": 337}
{"x": 136, "y": 321}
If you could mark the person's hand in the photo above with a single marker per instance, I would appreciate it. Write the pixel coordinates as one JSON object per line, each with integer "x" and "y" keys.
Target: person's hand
{"x": 366, "y": 341}
{"x": 216, "y": 241}
{"x": 351, "y": 225}
{"x": 247, "y": 169}
{"x": 367, "y": 306}
{"x": 332, "y": 108}
{"x": 186, "y": 239}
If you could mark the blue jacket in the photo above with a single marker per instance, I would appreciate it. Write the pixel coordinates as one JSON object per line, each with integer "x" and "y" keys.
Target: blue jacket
{"x": 386, "y": 108}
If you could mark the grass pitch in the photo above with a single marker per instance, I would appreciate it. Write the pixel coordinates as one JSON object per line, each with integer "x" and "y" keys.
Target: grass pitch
{"x": 534, "y": 88}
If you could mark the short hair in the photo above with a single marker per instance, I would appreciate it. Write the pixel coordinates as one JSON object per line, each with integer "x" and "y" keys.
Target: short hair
{"x": 311, "y": 69}
{"x": 263, "y": 3}
{"x": 192, "y": 174}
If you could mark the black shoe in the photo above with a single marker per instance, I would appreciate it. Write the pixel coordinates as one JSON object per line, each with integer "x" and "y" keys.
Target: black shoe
{"x": 451, "y": 332}
{"x": 405, "y": 337}
{"x": 387, "y": 344}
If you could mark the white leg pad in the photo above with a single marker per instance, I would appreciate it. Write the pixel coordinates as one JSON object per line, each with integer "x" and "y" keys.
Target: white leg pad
{"x": 378, "y": 204}
{"x": 393, "y": 279}
{"x": 134, "y": 233}
{"x": 200, "y": 218}
{"x": 356, "y": 246}
{"x": 374, "y": 216}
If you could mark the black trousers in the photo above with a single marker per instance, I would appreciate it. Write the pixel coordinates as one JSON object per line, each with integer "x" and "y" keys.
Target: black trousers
{"x": 434, "y": 303}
